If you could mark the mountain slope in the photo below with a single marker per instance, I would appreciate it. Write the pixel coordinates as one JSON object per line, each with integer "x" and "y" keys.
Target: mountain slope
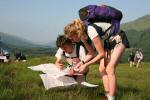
{"x": 15, "y": 44}
{"x": 138, "y": 33}
{"x": 51, "y": 44}
{"x": 4, "y": 46}
{"x": 138, "y": 24}
{"x": 15, "y": 41}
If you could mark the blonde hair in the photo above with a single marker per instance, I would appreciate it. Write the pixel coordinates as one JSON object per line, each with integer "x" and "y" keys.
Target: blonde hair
{"x": 76, "y": 27}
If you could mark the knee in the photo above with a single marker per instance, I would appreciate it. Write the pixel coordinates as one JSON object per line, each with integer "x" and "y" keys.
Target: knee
{"x": 110, "y": 71}
{"x": 102, "y": 70}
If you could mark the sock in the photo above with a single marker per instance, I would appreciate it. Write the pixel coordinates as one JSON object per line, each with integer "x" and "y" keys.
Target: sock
{"x": 111, "y": 97}
{"x": 106, "y": 94}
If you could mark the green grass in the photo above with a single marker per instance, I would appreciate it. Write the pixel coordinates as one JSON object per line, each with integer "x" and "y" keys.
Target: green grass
{"x": 17, "y": 82}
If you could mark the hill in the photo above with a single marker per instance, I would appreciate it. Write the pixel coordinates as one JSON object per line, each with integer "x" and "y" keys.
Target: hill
{"x": 14, "y": 44}
{"x": 138, "y": 33}
{"x": 139, "y": 24}
{"x": 51, "y": 44}
{"x": 4, "y": 46}
{"x": 16, "y": 41}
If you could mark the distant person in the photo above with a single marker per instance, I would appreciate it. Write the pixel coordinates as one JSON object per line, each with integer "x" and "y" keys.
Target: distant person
{"x": 131, "y": 58}
{"x": 23, "y": 58}
{"x": 139, "y": 58}
{"x": 73, "y": 53}
{"x": 7, "y": 54}
{"x": 4, "y": 56}
{"x": 19, "y": 56}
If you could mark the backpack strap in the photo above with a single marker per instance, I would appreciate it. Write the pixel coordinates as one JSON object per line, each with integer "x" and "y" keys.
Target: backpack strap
{"x": 64, "y": 54}
{"x": 100, "y": 31}
{"x": 78, "y": 49}
{"x": 108, "y": 30}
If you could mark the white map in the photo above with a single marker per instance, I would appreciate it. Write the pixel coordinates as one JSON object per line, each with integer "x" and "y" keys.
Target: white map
{"x": 54, "y": 77}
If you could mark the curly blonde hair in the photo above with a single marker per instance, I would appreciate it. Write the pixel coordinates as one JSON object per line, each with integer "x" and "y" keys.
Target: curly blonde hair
{"x": 76, "y": 27}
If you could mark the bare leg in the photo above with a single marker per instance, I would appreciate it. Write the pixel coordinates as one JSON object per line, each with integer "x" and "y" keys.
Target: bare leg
{"x": 130, "y": 63}
{"x": 110, "y": 68}
{"x": 102, "y": 70}
{"x": 133, "y": 63}
{"x": 138, "y": 62}
{"x": 141, "y": 64}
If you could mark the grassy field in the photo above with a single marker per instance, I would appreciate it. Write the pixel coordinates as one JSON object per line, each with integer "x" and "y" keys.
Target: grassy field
{"x": 17, "y": 82}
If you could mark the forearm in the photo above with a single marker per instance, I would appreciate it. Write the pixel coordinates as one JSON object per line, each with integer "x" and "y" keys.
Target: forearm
{"x": 59, "y": 65}
{"x": 88, "y": 57}
{"x": 95, "y": 59}
{"x": 99, "y": 48}
{"x": 90, "y": 54}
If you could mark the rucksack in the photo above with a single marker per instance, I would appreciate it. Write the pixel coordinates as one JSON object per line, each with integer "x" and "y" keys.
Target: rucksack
{"x": 104, "y": 13}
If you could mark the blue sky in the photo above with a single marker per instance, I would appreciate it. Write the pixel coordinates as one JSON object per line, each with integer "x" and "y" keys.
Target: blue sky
{"x": 40, "y": 21}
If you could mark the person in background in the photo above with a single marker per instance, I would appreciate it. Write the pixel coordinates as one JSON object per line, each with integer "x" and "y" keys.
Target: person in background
{"x": 139, "y": 58}
{"x": 131, "y": 58}
{"x": 19, "y": 56}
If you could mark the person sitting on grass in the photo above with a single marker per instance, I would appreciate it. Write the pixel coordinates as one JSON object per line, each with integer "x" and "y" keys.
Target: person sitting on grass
{"x": 73, "y": 53}
{"x": 19, "y": 56}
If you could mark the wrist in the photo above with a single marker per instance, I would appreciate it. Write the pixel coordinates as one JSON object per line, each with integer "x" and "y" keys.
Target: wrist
{"x": 82, "y": 62}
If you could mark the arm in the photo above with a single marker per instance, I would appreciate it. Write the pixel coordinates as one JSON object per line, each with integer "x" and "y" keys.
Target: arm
{"x": 90, "y": 50}
{"x": 94, "y": 36}
{"x": 89, "y": 55}
{"x": 59, "y": 63}
{"x": 99, "y": 47}
{"x": 59, "y": 57}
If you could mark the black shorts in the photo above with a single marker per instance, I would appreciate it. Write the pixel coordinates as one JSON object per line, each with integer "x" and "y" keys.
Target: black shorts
{"x": 131, "y": 59}
{"x": 118, "y": 39}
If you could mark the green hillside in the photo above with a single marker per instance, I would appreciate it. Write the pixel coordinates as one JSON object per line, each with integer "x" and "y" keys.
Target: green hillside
{"x": 138, "y": 24}
{"x": 15, "y": 44}
{"x": 138, "y": 33}
{"x": 16, "y": 41}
